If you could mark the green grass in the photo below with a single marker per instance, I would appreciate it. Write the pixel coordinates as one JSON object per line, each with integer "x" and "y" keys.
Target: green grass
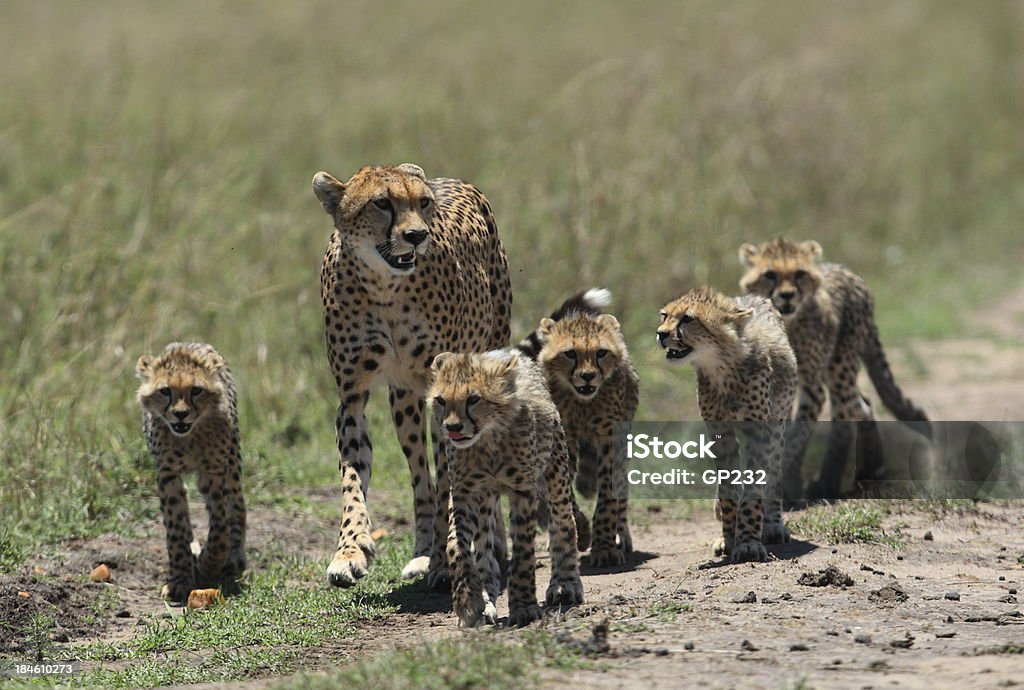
{"x": 846, "y": 523}
{"x": 482, "y": 659}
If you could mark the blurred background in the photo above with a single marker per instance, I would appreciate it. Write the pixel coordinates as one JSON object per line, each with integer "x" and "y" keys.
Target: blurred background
{"x": 155, "y": 166}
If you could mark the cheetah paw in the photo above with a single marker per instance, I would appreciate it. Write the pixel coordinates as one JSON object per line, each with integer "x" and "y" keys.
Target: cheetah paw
{"x": 626, "y": 541}
{"x": 176, "y": 590}
{"x": 351, "y": 563}
{"x": 720, "y": 547}
{"x": 604, "y": 557}
{"x": 469, "y": 608}
{"x": 775, "y": 533}
{"x": 439, "y": 576}
{"x": 490, "y": 612}
{"x": 415, "y": 568}
{"x": 749, "y": 551}
{"x": 565, "y": 592}
{"x": 524, "y": 615}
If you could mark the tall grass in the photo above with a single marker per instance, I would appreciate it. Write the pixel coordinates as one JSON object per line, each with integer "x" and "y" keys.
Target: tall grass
{"x": 155, "y": 163}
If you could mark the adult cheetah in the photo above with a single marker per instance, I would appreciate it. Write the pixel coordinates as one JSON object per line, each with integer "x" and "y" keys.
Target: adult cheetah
{"x": 746, "y": 374}
{"x": 830, "y": 320}
{"x": 190, "y": 418}
{"x": 414, "y": 267}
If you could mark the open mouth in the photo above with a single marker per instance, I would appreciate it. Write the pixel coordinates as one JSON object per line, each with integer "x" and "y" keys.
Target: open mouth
{"x": 674, "y": 353}
{"x": 401, "y": 262}
{"x": 181, "y": 428}
{"x": 787, "y": 309}
{"x": 586, "y": 390}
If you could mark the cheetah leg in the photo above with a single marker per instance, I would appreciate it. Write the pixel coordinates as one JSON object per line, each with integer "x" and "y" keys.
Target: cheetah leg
{"x": 178, "y": 530}
{"x": 237, "y": 525}
{"x": 774, "y": 530}
{"x": 798, "y": 435}
{"x": 467, "y": 592}
{"x": 522, "y": 579}
{"x": 214, "y": 555}
{"x": 483, "y": 553}
{"x": 609, "y": 511}
{"x": 439, "y": 575}
{"x": 727, "y": 502}
{"x": 407, "y": 411}
{"x": 565, "y": 588}
{"x": 355, "y": 547}
{"x": 847, "y": 406}
{"x": 750, "y": 519}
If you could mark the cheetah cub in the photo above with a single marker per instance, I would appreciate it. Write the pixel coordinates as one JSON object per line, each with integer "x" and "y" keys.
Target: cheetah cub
{"x": 746, "y": 372}
{"x": 503, "y": 436}
{"x": 190, "y": 419}
{"x": 594, "y": 385}
{"x": 830, "y": 319}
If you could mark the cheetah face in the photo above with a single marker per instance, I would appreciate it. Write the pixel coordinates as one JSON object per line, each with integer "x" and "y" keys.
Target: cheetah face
{"x": 180, "y": 388}
{"x": 786, "y": 273}
{"x": 383, "y": 213}
{"x": 699, "y": 326}
{"x": 581, "y": 351}
{"x": 472, "y": 394}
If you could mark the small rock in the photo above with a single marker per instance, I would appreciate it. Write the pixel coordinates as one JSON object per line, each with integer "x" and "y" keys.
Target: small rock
{"x": 890, "y": 594}
{"x": 689, "y": 646}
{"x": 928, "y": 536}
{"x": 100, "y": 573}
{"x": 906, "y": 643}
{"x": 798, "y": 647}
{"x": 835, "y": 550}
{"x": 1002, "y": 578}
{"x": 823, "y": 578}
{"x": 123, "y": 613}
{"x": 949, "y": 619}
{"x": 899, "y": 558}
{"x": 747, "y": 646}
{"x": 833, "y": 633}
{"x": 379, "y": 533}
{"x": 945, "y": 635}
{"x": 1011, "y": 590}
{"x": 204, "y": 598}
{"x": 660, "y": 651}
{"x": 837, "y": 662}
{"x": 60, "y": 637}
{"x": 748, "y": 598}
{"x": 786, "y": 596}
{"x": 24, "y": 595}
{"x": 952, "y": 596}
{"x": 1008, "y": 599}
{"x": 862, "y": 639}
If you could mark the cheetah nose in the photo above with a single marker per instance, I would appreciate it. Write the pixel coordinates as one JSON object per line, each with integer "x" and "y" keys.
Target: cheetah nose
{"x": 454, "y": 427}
{"x": 181, "y": 414}
{"x": 588, "y": 377}
{"x": 787, "y": 295}
{"x": 661, "y": 337}
{"x": 414, "y": 237}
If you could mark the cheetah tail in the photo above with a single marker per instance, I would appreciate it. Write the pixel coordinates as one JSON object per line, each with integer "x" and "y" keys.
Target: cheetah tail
{"x": 590, "y": 301}
{"x": 893, "y": 398}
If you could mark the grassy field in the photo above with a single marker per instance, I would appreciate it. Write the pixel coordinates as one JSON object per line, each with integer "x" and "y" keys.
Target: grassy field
{"x": 155, "y": 166}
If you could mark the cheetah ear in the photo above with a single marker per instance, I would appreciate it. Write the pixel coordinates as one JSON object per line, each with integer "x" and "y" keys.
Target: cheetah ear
{"x": 435, "y": 365}
{"x": 748, "y": 254}
{"x": 143, "y": 368}
{"x": 509, "y": 365}
{"x": 214, "y": 361}
{"x": 609, "y": 321}
{"x": 414, "y": 170}
{"x": 545, "y": 327}
{"x": 742, "y": 315}
{"x": 328, "y": 190}
{"x": 812, "y": 248}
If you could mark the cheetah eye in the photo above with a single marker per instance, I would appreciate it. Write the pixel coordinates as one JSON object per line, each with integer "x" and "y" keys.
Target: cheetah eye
{"x": 570, "y": 354}
{"x": 439, "y": 401}
{"x": 800, "y": 275}
{"x": 602, "y": 353}
{"x": 425, "y": 203}
{"x": 165, "y": 391}
{"x": 686, "y": 318}
{"x": 197, "y": 391}
{"x": 384, "y": 204}
{"x": 770, "y": 275}
{"x": 663, "y": 316}
{"x": 473, "y": 399}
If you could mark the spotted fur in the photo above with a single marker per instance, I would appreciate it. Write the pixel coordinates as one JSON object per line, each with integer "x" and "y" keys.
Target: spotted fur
{"x": 829, "y": 316}
{"x": 594, "y": 385}
{"x": 190, "y": 420}
{"x": 503, "y": 436}
{"x": 414, "y": 267}
{"x": 746, "y": 372}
